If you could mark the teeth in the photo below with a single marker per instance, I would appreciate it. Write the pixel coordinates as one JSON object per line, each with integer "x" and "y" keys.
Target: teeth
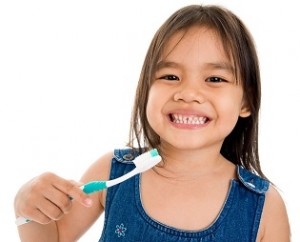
{"x": 181, "y": 119}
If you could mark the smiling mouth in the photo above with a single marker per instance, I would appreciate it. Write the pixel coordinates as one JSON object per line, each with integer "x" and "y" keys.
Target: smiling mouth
{"x": 188, "y": 119}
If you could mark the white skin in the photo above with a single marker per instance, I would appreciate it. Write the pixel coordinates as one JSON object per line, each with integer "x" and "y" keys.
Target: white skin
{"x": 195, "y": 79}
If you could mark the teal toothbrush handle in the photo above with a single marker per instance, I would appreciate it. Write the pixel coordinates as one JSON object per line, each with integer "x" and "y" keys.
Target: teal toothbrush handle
{"x": 94, "y": 186}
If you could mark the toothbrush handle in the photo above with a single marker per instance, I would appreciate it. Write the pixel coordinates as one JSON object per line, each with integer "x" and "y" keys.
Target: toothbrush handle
{"x": 94, "y": 186}
{"x": 120, "y": 179}
{"x": 21, "y": 220}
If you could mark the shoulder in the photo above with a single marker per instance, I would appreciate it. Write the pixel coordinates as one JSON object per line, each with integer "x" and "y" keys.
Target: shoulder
{"x": 274, "y": 222}
{"x": 101, "y": 168}
{"x": 274, "y": 225}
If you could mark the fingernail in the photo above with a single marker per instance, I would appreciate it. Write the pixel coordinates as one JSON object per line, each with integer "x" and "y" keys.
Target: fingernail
{"x": 88, "y": 202}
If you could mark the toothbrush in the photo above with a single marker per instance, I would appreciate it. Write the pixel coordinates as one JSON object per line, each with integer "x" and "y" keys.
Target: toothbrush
{"x": 142, "y": 163}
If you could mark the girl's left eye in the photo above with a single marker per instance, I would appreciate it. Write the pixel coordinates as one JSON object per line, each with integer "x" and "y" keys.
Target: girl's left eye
{"x": 170, "y": 78}
{"x": 215, "y": 79}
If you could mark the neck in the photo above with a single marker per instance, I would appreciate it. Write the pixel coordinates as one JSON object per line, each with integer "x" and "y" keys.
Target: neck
{"x": 191, "y": 164}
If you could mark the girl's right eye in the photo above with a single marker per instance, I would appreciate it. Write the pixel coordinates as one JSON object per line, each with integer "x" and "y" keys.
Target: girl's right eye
{"x": 169, "y": 78}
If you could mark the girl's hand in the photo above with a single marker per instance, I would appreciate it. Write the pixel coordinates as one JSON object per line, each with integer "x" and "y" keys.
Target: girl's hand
{"x": 48, "y": 197}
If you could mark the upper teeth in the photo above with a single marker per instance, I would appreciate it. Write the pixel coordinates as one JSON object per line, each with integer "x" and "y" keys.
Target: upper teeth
{"x": 182, "y": 119}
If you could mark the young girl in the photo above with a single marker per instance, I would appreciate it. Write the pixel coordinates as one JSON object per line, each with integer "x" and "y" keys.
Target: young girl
{"x": 197, "y": 102}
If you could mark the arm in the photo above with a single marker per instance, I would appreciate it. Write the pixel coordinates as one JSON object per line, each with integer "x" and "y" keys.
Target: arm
{"x": 45, "y": 200}
{"x": 274, "y": 224}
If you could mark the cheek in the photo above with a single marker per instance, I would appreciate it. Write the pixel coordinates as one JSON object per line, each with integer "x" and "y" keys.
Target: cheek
{"x": 229, "y": 106}
{"x": 152, "y": 106}
{"x": 155, "y": 97}
{"x": 155, "y": 104}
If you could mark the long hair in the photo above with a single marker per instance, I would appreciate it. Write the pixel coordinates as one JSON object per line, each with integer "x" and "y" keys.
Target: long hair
{"x": 241, "y": 145}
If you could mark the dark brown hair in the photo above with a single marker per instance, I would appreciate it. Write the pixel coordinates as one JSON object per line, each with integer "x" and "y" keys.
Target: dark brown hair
{"x": 241, "y": 145}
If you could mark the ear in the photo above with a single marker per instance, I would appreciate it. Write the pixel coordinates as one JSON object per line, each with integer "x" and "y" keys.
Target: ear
{"x": 245, "y": 111}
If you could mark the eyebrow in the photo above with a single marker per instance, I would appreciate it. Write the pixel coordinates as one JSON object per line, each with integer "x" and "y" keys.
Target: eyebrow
{"x": 165, "y": 64}
{"x": 221, "y": 66}
{"x": 211, "y": 65}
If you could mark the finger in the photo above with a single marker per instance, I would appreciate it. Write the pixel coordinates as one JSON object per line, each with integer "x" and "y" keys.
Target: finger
{"x": 37, "y": 216}
{"x": 46, "y": 210}
{"x": 50, "y": 210}
{"x": 58, "y": 199}
{"x": 72, "y": 189}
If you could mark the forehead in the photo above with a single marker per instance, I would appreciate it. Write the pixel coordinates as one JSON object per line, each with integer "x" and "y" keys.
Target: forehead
{"x": 196, "y": 40}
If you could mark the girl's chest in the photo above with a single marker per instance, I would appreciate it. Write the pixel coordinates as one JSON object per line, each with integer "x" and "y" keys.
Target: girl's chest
{"x": 187, "y": 206}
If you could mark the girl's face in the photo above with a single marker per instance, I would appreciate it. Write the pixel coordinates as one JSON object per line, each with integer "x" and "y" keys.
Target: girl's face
{"x": 195, "y": 101}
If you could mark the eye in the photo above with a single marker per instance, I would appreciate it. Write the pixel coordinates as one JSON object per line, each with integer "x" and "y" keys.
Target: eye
{"x": 170, "y": 78}
{"x": 215, "y": 79}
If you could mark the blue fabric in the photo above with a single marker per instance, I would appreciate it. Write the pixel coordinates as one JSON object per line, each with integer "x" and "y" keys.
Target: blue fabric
{"x": 126, "y": 220}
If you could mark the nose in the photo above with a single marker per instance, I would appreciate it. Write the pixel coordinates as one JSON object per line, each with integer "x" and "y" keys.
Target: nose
{"x": 189, "y": 93}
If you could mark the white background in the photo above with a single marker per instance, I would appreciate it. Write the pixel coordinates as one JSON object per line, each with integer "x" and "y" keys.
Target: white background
{"x": 68, "y": 72}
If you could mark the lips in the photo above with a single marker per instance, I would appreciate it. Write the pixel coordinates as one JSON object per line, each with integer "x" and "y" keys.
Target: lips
{"x": 188, "y": 119}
